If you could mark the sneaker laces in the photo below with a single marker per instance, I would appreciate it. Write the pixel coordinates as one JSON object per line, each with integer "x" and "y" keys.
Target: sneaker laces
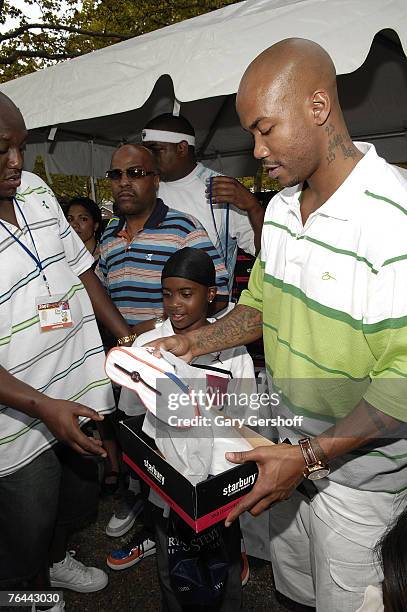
{"x": 137, "y": 540}
{"x": 76, "y": 566}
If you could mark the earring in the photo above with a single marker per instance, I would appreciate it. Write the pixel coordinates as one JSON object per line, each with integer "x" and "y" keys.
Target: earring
{"x": 210, "y": 301}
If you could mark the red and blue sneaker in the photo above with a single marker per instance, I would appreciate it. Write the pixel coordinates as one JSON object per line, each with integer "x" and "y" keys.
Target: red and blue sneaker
{"x": 137, "y": 548}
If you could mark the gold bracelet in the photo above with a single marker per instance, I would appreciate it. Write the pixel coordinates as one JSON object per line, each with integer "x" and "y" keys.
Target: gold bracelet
{"x": 126, "y": 339}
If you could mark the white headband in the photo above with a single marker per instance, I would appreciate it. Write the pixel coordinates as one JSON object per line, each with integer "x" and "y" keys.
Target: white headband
{"x": 164, "y": 136}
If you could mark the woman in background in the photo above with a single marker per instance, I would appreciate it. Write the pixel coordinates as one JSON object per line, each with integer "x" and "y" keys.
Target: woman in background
{"x": 84, "y": 215}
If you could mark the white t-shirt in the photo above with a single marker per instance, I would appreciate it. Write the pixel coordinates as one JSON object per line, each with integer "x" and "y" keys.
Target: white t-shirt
{"x": 227, "y": 226}
{"x": 65, "y": 363}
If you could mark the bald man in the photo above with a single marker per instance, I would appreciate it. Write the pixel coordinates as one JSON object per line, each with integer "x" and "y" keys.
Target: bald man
{"x": 328, "y": 293}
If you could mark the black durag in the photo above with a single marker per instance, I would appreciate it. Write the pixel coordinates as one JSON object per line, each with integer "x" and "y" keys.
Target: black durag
{"x": 192, "y": 264}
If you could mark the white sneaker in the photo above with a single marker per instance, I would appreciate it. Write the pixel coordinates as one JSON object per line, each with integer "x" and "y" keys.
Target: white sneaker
{"x": 72, "y": 574}
{"x": 123, "y": 519}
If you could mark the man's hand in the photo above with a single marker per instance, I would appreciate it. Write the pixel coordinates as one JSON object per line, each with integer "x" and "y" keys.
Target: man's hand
{"x": 61, "y": 418}
{"x": 179, "y": 345}
{"x": 280, "y": 471}
{"x": 227, "y": 189}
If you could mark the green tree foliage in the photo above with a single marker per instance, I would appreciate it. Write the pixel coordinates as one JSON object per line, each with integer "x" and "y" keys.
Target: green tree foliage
{"x": 64, "y": 32}
{"x": 260, "y": 183}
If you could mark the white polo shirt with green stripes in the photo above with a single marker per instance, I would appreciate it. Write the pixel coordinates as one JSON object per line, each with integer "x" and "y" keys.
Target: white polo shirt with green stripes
{"x": 63, "y": 363}
{"x": 333, "y": 294}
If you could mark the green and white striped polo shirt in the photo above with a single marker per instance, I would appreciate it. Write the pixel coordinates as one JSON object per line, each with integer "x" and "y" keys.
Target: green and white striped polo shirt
{"x": 64, "y": 363}
{"x": 333, "y": 294}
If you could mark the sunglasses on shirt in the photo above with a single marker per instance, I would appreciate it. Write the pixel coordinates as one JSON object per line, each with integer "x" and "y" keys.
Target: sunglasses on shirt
{"x": 132, "y": 173}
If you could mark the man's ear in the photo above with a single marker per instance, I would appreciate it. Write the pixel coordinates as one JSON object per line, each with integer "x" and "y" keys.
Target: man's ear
{"x": 182, "y": 148}
{"x": 321, "y": 106}
{"x": 157, "y": 182}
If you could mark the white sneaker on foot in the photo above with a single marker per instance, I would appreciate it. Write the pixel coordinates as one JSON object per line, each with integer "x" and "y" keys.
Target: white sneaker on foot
{"x": 123, "y": 519}
{"x": 72, "y": 574}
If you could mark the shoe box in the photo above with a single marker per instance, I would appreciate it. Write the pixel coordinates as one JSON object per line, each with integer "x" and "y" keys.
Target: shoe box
{"x": 200, "y": 505}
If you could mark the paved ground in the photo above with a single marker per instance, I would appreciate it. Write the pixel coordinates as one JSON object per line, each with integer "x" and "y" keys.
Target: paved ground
{"x": 137, "y": 588}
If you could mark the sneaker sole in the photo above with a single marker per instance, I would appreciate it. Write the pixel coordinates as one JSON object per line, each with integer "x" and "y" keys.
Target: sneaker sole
{"x": 77, "y": 588}
{"x": 122, "y": 566}
{"x": 114, "y": 533}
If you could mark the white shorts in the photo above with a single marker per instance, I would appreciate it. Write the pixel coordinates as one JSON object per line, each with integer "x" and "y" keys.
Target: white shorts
{"x": 322, "y": 549}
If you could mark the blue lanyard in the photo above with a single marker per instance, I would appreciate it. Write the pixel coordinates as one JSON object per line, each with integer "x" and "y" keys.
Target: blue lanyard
{"x": 227, "y": 237}
{"x": 35, "y": 257}
{"x": 226, "y": 246}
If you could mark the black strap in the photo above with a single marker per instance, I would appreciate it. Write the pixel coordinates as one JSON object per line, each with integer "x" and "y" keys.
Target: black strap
{"x": 212, "y": 369}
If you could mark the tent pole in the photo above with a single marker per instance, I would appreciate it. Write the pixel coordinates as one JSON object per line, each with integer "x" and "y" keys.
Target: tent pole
{"x": 92, "y": 188}
{"x": 92, "y": 173}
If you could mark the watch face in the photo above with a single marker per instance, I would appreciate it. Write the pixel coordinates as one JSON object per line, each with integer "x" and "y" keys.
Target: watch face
{"x": 318, "y": 474}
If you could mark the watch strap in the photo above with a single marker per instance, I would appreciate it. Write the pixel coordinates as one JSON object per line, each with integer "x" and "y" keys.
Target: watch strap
{"x": 308, "y": 453}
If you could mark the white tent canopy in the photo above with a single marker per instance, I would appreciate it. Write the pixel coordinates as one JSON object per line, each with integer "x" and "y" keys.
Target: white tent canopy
{"x": 106, "y": 97}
